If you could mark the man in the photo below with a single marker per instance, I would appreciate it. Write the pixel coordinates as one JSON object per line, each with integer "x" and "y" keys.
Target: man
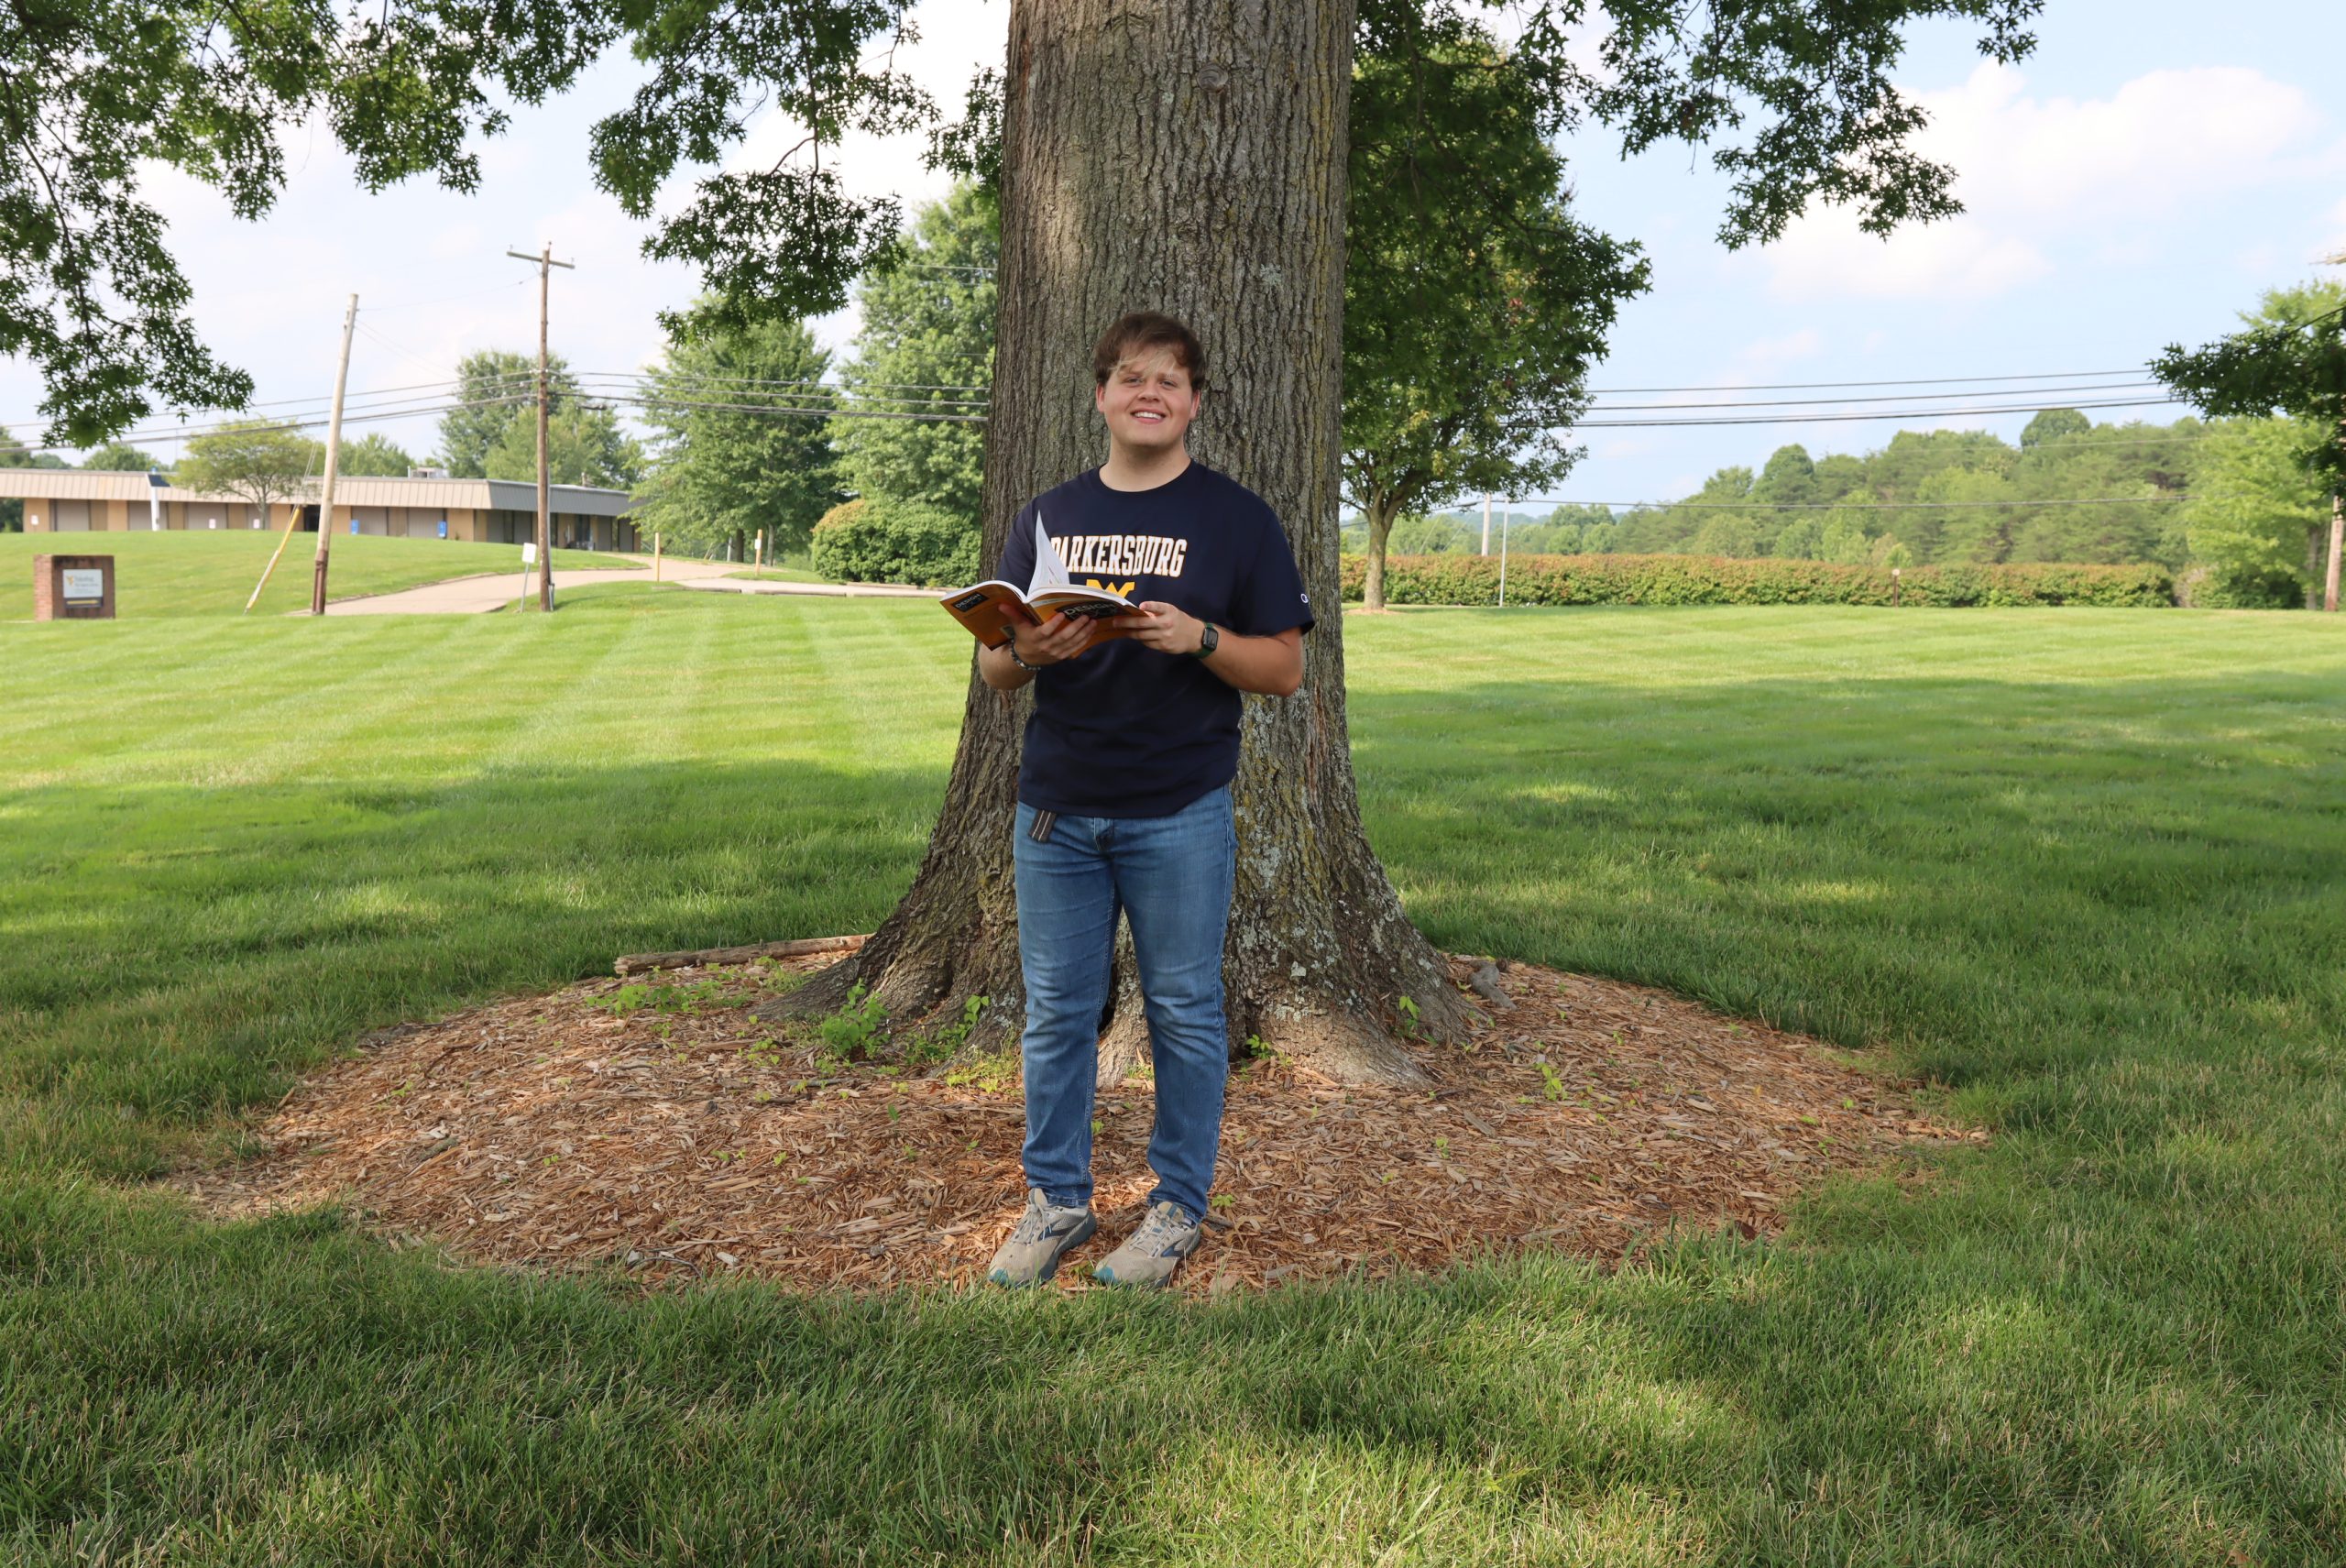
{"x": 1123, "y": 794}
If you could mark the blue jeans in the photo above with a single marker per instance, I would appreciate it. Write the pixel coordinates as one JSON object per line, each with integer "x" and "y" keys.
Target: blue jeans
{"x": 1171, "y": 877}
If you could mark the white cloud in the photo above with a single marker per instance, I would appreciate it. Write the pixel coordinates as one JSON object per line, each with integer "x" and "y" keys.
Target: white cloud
{"x": 1827, "y": 258}
{"x": 2160, "y": 140}
{"x": 2037, "y": 173}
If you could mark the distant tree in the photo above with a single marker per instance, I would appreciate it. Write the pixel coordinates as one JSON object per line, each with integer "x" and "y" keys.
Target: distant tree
{"x": 2290, "y": 361}
{"x": 1976, "y": 529}
{"x": 2077, "y": 492}
{"x": 2143, "y": 469}
{"x": 1651, "y": 531}
{"x": 1961, "y": 515}
{"x": 1729, "y": 533}
{"x": 925, "y": 347}
{"x": 497, "y": 390}
{"x": 257, "y": 460}
{"x": 374, "y": 453}
{"x": 2053, "y": 424}
{"x": 120, "y": 457}
{"x": 584, "y": 445}
{"x": 1473, "y": 303}
{"x": 1564, "y": 531}
{"x": 1788, "y": 479}
{"x": 1897, "y": 472}
{"x": 1839, "y": 474}
{"x": 1416, "y": 533}
{"x": 2256, "y": 519}
{"x": 726, "y": 460}
{"x": 1802, "y": 539}
{"x": 1845, "y": 540}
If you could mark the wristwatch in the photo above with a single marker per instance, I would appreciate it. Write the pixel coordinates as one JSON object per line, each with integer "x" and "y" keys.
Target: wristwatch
{"x": 1208, "y": 641}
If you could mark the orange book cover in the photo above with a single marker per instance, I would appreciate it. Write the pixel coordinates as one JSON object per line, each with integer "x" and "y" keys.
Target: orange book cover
{"x": 990, "y": 609}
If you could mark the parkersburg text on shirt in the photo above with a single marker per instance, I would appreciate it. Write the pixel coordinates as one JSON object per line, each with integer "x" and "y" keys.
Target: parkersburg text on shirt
{"x": 1123, "y": 555}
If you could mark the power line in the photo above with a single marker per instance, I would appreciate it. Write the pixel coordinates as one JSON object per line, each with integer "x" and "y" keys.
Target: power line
{"x": 808, "y": 413}
{"x": 1892, "y": 413}
{"x": 1888, "y": 398}
{"x": 683, "y": 398}
{"x": 1860, "y": 506}
{"x": 766, "y": 381}
{"x": 1911, "y": 381}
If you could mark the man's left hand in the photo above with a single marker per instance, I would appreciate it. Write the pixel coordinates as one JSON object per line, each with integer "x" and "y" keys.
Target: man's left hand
{"x": 1164, "y": 628}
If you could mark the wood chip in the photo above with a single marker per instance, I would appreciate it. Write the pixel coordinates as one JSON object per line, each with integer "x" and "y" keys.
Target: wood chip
{"x": 550, "y": 1132}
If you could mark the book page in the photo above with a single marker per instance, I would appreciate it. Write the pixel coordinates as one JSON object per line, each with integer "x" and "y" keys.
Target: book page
{"x": 1050, "y": 572}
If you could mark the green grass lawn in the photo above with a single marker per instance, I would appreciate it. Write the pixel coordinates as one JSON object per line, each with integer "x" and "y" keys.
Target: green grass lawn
{"x": 2083, "y": 869}
{"x": 213, "y": 574}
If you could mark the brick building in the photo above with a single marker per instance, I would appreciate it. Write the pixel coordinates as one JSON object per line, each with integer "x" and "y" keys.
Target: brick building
{"x": 487, "y": 511}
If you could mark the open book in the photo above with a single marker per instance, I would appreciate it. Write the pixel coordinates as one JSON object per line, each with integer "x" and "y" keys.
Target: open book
{"x": 990, "y": 609}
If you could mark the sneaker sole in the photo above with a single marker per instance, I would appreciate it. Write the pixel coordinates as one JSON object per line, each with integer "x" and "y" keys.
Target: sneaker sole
{"x": 1049, "y": 1271}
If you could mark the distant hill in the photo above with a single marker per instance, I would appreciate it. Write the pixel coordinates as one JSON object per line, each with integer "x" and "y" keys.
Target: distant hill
{"x": 1934, "y": 496}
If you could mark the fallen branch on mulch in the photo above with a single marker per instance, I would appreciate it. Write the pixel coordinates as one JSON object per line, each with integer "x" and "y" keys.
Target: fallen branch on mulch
{"x": 658, "y": 1125}
{"x": 697, "y": 958}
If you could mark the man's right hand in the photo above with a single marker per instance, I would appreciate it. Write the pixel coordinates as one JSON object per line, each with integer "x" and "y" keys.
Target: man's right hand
{"x": 1055, "y": 641}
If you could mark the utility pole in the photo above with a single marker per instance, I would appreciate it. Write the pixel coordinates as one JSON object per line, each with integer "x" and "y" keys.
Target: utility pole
{"x": 334, "y": 453}
{"x": 546, "y": 263}
{"x": 1487, "y": 525}
{"x": 2337, "y": 497}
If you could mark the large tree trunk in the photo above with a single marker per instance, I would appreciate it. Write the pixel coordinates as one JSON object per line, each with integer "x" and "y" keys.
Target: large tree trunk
{"x": 1187, "y": 156}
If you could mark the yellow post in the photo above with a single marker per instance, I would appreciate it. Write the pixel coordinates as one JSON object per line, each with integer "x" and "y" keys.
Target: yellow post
{"x": 655, "y": 555}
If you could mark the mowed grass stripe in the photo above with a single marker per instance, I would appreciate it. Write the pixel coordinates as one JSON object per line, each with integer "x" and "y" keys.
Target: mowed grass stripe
{"x": 2079, "y": 867}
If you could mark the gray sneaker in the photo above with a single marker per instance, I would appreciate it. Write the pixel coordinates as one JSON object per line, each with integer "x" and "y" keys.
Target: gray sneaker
{"x": 1148, "y": 1259}
{"x": 1045, "y": 1235}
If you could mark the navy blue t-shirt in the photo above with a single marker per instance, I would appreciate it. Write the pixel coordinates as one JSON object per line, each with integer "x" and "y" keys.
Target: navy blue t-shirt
{"x": 1124, "y": 730}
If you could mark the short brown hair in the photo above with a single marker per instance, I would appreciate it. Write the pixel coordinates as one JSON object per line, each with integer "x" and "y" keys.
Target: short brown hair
{"x": 1137, "y": 331}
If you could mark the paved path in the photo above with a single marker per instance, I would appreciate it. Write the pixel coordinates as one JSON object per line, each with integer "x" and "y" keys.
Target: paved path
{"x": 823, "y": 590}
{"x": 500, "y": 590}
{"x": 475, "y": 596}
{"x": 470, "y": 595}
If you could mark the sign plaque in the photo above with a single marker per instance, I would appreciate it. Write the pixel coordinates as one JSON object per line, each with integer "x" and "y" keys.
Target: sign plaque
{"x": 73, "y": 587}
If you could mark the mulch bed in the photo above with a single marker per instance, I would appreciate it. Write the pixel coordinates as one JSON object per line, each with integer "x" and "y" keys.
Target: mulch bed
{"x": 557, "y": 1133}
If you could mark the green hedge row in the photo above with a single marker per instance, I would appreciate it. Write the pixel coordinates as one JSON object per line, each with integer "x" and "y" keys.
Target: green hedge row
{"x": 882, "y": 541}
{"x": 1706, "y": 579}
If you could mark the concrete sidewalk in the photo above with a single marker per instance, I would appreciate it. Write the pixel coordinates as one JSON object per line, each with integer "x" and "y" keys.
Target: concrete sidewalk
{"x": 471, "y": 595}
{"x": 820, "y": 590}
{"x": 479, "y": 595}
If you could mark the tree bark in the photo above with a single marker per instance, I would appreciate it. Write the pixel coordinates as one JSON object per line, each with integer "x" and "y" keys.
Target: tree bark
{"x": 1381, "y": 509}
{"x": 1185, "y": 156}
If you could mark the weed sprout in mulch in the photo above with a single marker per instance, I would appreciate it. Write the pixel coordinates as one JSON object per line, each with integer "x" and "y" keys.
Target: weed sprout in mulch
{"x": 656, "y": 1123}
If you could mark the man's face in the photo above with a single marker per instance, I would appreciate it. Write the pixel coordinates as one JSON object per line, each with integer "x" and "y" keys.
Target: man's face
{"x": 1148, "y": 401}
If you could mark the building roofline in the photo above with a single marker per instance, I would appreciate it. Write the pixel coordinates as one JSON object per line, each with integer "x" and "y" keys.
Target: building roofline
{"x": 357, "y": 490}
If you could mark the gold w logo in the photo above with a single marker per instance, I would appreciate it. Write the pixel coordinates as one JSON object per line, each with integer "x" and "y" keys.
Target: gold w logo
{"x": 1124, "y": 588}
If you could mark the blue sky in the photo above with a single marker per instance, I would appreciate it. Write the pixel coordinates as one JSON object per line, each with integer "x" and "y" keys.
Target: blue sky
{"x": 2135, "y": 182}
